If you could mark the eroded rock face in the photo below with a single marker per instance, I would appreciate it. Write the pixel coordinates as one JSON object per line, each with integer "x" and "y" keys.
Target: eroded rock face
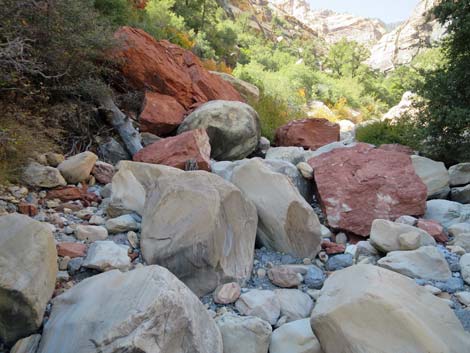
{"x": 359, "y": 184}
{"x": 233, "y": 128}
{"x": 165, "y": 317}
{"x": 201, "y": 228}
{"x": 161, "y": 114}
{"x": 287, "y": 222}
{"x": 308, "y": 133}
{"x": 402, "y": 314}
{"x": 409, "y": 39}
{"x": 131, "y": 184}
{"x": 28, "y": 269}
{"x": 334, "y": 26}
{"x": 168, "y": 69}
{"x": 178, "y": 151}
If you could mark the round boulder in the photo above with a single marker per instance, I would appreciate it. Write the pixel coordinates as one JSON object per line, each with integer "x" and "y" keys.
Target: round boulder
{"x": 233, "y": 128}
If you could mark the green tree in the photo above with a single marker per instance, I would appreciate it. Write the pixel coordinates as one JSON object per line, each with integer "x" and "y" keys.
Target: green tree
{"x": 345, "y": 58}
{"x": 445, "y": 117}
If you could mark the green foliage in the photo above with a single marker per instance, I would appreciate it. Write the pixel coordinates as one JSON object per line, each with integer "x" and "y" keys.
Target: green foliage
{"x": 52, "y": 45}
{"x": 345, "y": 58}
{"x": 445, "y": 116}
{"x": 273, "y": 113}
{"x": 118, "y": 12}
{"x": 385, "y": 132}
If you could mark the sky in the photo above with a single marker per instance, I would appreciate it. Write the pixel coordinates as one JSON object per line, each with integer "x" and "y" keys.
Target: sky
{"x": 387, "y": 10}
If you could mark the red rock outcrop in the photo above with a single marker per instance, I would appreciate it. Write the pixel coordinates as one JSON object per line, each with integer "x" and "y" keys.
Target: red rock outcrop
{"x": 359, "y": 184}
{"x": 307, "y": 133}
{"x": 168, "y": 69}
{"x": 177, "y": 151}
{"x": 161, "y": 114}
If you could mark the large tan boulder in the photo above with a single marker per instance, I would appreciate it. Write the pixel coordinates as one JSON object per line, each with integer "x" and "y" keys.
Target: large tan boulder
{"x": 201, "y": 228}
{"x": 28, "y": 269}
{"x": 367, "y": 309}
{"x": 287, "y": 222}
{"x": 144, "y": 310}
{"x": 390, "y": 236}
{"x": 131, "y": 184}
{"x": 434, "y": 175}
{"x": 78, "y": 168}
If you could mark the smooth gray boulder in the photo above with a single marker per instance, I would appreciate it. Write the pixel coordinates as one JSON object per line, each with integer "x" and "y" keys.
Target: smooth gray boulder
{"x": 434, "y": 175}
{"x": 447, "y": 213}
{"x": 28, "y": 270}
{"x": 244, "y": 334}
{"x": 461, "y": 194}
{"x": 107, "y": 255}
{"x": 200, "y": 227}
{"x": 425, "y": 263}
{"x": 459, "y": 174}
{"x": 287, "y": 223}
{"x": 144, "y": 310}
{"x": 233, "y": 128}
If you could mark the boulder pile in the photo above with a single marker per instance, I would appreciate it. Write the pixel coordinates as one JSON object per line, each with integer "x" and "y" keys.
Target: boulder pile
{"x": 211, "y": 241}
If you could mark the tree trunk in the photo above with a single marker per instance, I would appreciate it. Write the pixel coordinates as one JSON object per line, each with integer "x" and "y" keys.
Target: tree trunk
{"x": 129, "y": 135}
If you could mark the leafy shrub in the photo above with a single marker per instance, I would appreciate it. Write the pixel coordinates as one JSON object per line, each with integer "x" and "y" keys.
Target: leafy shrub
{"x": 385, "y": 132}
{"x": 273, "y": 113}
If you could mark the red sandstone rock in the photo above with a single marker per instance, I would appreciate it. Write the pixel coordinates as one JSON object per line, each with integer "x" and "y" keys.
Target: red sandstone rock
{"x": 103, "y": 172}
{"x": 71, "y": 193}
{"x": 161, "y": 114}
{"x": 27, "y": 209}
{"x": 168, "y": 69}
{"x": 396, "y": 147}
{"x": 359, "y": 184}
{"x": 332, "y": 248}
{"x": 434, "y": 229}
{"x": 178, "y": 150}
{"x": 308, "y": 133}
{"x": 71, "y": 249}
